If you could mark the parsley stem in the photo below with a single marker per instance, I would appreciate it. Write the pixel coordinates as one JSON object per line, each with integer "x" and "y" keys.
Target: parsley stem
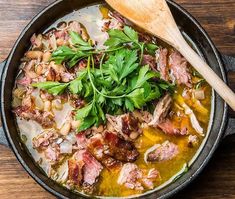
{"x": 141, "y": 51}
{"x": 93, "y": 85}
{"x": 101, "y": 65}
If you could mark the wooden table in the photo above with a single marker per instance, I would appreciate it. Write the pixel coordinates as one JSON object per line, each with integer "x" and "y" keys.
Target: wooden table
{"x": 216, "y": 181}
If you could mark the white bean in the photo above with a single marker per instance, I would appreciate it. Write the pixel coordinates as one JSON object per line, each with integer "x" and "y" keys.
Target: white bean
{"x": 57, "y": 104}
{"x": 34, "y": 55}
{"x": 47, "y": 106}
{"x": 46, "y": 57}
{"x": 65, "y": 128}
{"x": 75, "y": 124}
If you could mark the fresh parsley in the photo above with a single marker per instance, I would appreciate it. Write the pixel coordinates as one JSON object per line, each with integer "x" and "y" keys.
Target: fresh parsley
{"x": 119, "y": 83}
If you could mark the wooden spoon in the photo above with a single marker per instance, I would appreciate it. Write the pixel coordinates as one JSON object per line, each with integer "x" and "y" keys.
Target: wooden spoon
{"x": 155, "y": 17}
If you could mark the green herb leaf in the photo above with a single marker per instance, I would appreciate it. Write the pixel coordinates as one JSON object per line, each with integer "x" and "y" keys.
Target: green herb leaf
{"x": 77, "y": 39}
{"x": 54, "y": 88}
{"x": 84, "y": 112}
{"x": 87, "y": 123}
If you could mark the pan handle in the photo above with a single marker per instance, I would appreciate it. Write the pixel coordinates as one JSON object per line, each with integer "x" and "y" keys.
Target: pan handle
{"x": 3, "y": 139}
{"x": 229, "y": 63}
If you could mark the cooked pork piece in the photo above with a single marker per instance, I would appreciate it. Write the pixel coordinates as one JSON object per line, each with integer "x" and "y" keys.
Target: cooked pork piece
{"x": 44, "y": 139}
{"x": 84, "y": 170}
{"x": 52, "y": 153}
{"x": 42, "y": 117}
{"x": 149, "y": 60}
{"x": 134, "y": 178}
{"x": 162, "y": 63}
{"x": 100, "y": 150}
{"x": 180, "y": 70}
{"x": 192, "y": 141}
{"x": 81, "y": 140}
{"x": 161, "y": 110}
{"x": 168, "y": 128}
{"x": 127, "y": 126}
{"x": 161, "y": 152}
{"x": 144, "y": 117}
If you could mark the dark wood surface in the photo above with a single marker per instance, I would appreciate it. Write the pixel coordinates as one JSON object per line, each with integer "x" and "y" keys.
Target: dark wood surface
{"x": 216, "y": 181}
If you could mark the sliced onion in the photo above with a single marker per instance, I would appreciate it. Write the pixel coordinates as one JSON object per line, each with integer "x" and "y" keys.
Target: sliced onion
{"x": 199, "y": 94}
{"x": 71, "y": 138}
{"x": 66, "y": 147}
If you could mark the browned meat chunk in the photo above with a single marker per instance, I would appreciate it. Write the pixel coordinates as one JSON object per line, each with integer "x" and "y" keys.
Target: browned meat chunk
{"x": 161, "y": 152}
{"x": 179, "y": 68}
{"x": 120, "y": 149}
{"x": 134, "y": 178}
{"x": 111, "y": 150}
{"x": 84, "y": 170}
{"x": 127, "y": 126}
{"x": 100, "y": 150}
{"x": 161, "y": 110}
{"x": 162, "y": 63}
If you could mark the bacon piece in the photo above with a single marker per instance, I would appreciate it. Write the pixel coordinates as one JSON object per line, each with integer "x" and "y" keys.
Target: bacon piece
{"x": 134, "y": 178}
{"x": 111, "y": 150}
{"x": 84, "y": 170}
{"x": 162, "y": 63}
{"x": 161, "y": 152}
{"x": 120, "y": 149}
{"x": 75, "y": 171}
{"x": 99, "y": 149}
{"x": 179, "y": 68}
{"x": 82, "y": 140}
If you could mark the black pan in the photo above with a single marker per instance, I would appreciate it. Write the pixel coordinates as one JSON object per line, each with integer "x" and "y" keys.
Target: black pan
{"x": 221, "y": 125}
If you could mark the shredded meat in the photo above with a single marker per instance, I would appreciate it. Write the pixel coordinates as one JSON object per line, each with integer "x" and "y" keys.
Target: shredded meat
{"x": 161, "y": 110}
{"x": 162, "y": 63}
{"x": 134, "y": 178}
{"x": 168, "y": 127}
{"x": 44, "y": 139}
{"x": 42, "y": 117}
{"x": 149, "y": 60}
{"x": 179, "y": 68}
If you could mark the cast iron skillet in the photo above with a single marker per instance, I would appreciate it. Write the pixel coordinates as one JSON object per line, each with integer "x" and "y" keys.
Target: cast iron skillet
{"x": 220, "y": 125}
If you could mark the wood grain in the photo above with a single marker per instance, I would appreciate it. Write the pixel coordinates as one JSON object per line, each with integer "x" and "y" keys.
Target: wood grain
{"x": 217, "y": 180}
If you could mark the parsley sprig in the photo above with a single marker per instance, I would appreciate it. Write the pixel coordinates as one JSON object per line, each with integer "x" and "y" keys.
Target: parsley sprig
{"x": 118, "y": 84}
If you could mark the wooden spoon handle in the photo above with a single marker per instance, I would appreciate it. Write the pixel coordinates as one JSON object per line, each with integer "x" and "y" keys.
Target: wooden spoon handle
{"x": 209, "y": 75}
